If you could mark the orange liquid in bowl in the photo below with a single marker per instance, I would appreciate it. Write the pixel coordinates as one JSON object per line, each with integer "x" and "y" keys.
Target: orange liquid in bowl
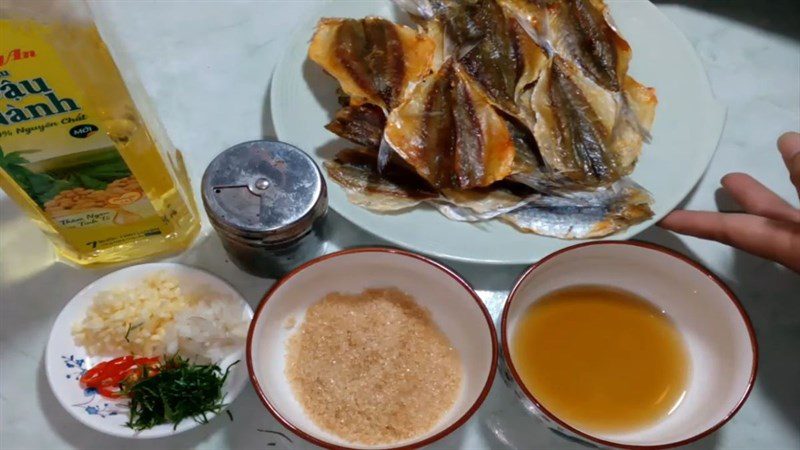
{"x": 601, "y": 359}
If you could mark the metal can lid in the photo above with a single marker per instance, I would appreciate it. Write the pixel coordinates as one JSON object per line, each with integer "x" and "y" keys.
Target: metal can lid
{"x": 266, "y": 190}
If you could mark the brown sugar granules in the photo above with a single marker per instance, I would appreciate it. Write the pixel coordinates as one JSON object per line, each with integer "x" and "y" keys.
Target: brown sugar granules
{"x": 372, "y": 368}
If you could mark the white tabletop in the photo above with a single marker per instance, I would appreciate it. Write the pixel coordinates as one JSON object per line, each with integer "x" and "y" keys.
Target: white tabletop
{"x": 207, "y": 66}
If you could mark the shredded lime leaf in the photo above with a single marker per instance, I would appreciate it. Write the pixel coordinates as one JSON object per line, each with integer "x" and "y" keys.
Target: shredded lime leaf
{"x": 181, "y": 390}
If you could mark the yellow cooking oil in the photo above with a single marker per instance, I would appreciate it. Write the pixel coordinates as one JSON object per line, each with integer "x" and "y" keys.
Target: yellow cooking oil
{"x": 80, "y": 150}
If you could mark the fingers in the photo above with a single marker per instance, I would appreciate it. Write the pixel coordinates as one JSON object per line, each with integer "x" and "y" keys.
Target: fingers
{"x": 771, "y": 239}
{"x": 772, "y": 227}
{"x": 789, "y": 146}
{"x": 757, "y": 199}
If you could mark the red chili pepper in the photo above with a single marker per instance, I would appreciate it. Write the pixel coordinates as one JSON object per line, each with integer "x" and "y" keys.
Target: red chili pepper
{"x": 108, "y": 392}
{"x": 107, "y": 376}
{"x": 93, "y": 375}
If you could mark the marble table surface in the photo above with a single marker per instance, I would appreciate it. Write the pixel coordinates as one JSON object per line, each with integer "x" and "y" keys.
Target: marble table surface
{"x": 208, "y": 66}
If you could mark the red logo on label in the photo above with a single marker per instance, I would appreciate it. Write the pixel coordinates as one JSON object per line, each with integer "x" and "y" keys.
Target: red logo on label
{"x": 16, "y": 55}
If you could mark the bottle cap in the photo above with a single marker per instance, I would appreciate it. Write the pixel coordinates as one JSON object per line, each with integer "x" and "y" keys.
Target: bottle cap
{"x": 268, "y": 191}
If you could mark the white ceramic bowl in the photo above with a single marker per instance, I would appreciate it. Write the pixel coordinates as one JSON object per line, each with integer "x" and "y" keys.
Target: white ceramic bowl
{"x": 65, "y": 361}
{"x": 453, "y": 304}
{"x": 715, "y": 327}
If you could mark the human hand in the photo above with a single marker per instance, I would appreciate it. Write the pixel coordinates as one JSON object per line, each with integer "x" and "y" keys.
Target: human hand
{"x": 769, "y": 226}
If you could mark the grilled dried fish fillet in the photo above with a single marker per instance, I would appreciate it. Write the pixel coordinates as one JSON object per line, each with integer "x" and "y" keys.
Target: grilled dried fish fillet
{"x": 420, "y": 8}
{"x": 584, "y": 215}
{"x": 491, "y": 46}
{"x": 399, "y": 188}
{"x": 584, "y": 132}
{"x": 637, "y": 111}
{"x": 505, "y": 62}
{"x": 580, "y": 34}
{"x": 449, "y": 132}
{"x": 531, "y": 91}
{"x": 463, "y": 22}
{"x": 482, "y": 203}
{"x": 579, "y": 31}
{"x": 576, "y": 215}
{"x": 395, "y": 189}
{"x": 569, "y": 131}
{"x": 497, "y": 53}
{"x": 361, "y": 124}
{"x": 374, "y": 60}
{"x": 596, "y": 118}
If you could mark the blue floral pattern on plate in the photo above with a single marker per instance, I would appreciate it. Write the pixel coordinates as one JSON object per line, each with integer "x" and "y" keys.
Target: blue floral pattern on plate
{"x": 75, "y": 366}
{"x": 95, "y": 404}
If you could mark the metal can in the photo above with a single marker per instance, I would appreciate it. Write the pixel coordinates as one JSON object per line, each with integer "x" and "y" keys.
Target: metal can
{"x": 267, "y": 200}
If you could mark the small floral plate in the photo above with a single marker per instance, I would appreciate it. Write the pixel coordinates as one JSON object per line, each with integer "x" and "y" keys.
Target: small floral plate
{"x": 66, "y": 362}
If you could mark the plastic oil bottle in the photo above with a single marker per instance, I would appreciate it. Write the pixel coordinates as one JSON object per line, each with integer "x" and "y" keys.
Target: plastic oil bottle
{"x": 80, "y": 150}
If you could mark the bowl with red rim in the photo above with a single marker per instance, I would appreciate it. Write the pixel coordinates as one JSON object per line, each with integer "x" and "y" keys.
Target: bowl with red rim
{"x": 719, "y": 338}
{"x": 452, "y": 303}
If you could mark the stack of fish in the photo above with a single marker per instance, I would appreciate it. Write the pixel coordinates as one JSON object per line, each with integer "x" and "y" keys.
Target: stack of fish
{"x": 520, "y": 110}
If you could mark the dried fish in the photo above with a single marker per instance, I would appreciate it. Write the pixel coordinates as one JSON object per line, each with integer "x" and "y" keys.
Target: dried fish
{"x": 570, "y": 133}
{"x": 579, "y": 31}
{"x": 482, "y": 204}
{"x": 584, "y": 215}
{"x": 521, "y": 110}
{"x": 362, "y": 124}
{"x": 492, "y": 47}
{"x": 505, "y": 63}
{"x": 399, "y": 188}
{"x": 374, "y": 60}
{"x": 395, "y": 189}
{"x": 421, "y": 8}
{"x": 450, "y": 133}
{"x": 584, "y": 132}
{"x": 571, "y": 215}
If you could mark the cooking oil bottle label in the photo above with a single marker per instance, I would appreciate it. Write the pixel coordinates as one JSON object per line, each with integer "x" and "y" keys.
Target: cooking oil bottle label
{"x": 54, "y": 147}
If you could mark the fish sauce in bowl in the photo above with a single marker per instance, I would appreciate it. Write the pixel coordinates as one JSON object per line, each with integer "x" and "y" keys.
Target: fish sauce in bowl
{"x": 601, "y": 359}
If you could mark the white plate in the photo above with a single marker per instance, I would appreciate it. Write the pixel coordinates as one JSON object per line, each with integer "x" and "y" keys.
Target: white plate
{"x": 687, "y": 128}
{"x": 65, "y": 362}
